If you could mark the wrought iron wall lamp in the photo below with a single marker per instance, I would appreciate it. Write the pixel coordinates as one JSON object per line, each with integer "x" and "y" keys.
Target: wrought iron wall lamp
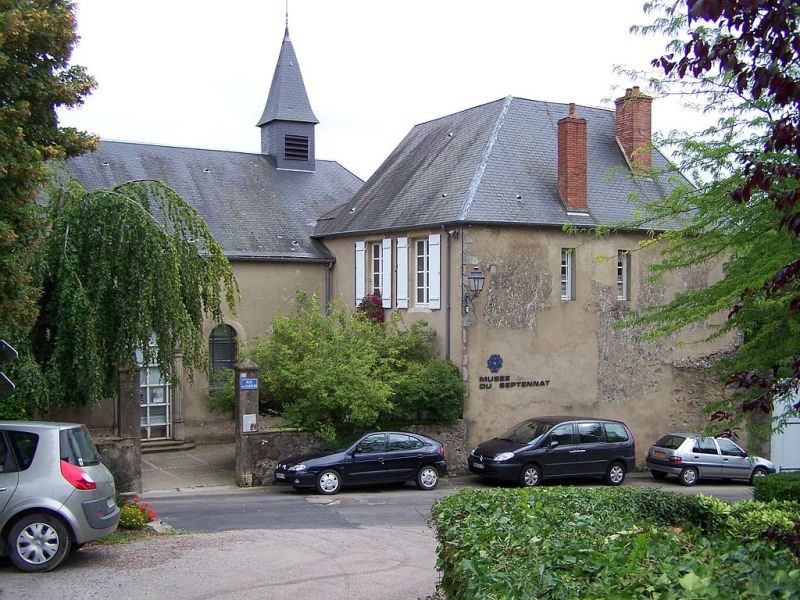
{"x": 475, "y": 281}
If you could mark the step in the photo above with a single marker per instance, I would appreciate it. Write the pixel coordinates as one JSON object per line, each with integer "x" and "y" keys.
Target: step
{"x": 151, "y": 447}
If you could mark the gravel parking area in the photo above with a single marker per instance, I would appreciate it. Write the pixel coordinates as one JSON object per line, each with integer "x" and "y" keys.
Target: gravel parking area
{"x": 390, "y": 563}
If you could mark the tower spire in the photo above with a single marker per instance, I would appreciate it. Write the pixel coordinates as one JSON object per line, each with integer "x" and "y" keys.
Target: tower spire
{"x": 287, "y": 123}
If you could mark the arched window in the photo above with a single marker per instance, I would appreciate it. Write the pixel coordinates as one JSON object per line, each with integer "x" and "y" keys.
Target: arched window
{"x": 222, "y": 347}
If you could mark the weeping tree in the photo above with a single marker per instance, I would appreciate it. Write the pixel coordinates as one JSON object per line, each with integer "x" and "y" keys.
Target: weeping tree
{"x": 123, "y": 270}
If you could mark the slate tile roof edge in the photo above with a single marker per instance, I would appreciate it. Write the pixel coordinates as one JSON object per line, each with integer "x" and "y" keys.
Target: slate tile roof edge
{"x": 277, "y": 258}
{"x": 179, "y": 147}
{"x": 471, "y": 223}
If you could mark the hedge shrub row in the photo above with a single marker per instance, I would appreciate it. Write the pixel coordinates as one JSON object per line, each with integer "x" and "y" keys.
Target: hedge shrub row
{"x": 611, "y": 543}
{"x": 781, "y": 486}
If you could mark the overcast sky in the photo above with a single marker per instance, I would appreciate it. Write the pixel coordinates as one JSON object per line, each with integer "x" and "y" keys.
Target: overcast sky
{"x": 197, "y": 72}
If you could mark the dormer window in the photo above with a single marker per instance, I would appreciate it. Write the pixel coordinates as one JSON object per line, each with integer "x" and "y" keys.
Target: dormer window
{"x": 295, "y": 147}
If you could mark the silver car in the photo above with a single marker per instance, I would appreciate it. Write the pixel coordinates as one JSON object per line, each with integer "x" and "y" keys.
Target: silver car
{"x": 55, "y": 494}
{"x": 693, "y": 457}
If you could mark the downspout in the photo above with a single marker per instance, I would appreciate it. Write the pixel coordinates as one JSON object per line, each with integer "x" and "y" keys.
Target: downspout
{"x": 328, "y": 279}
{"x": 447, "y": 298}
{"x": 447, "y": 282}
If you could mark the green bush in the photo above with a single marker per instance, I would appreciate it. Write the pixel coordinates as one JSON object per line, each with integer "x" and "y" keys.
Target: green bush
{"x": 779, "y": 486}
{"x": 432, "y": 391}
{"x": 221, "y": 392}
{"x": 611, "y": 542}
{"x": 338, "y": 372}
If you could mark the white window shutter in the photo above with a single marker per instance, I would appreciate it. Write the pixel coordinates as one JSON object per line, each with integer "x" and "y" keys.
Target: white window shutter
{"x": 435, "y": 286}
{"x": 386, "y": 274}
{"x": 360, "y": 274}
{"x": 402, "y": 272}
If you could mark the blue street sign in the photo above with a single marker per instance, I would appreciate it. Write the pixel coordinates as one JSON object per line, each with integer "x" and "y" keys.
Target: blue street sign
{"x": 250, "y": 383}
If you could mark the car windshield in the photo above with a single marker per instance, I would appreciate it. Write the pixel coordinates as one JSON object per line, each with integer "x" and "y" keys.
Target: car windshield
{"x": 526, "y": 432}
{"x": 670, "y": 441}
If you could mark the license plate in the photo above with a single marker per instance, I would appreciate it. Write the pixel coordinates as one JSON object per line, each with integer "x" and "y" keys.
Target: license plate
{"x": 659, "y": 454}
{"x": 280, "y": 476}
{"x": 110, "y": 502}
{"x": 478, "y": 465}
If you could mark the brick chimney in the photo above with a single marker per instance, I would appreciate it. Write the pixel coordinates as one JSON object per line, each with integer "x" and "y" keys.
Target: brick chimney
{"x": 634, "y": 127}
{"x": 572, "y": 160}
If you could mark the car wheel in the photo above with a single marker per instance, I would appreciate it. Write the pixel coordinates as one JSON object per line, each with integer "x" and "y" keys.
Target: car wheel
{"x": 530, "y": 476}
{"x": 660, "y": 475}
{"x": 758, "y": 472}
{"x": 615, "y": 474}
{"x": 427, "y": 478}
{"x": 688, "y": 476}
{"x": 38, "y": 542}
{"x": 329, "y": 482}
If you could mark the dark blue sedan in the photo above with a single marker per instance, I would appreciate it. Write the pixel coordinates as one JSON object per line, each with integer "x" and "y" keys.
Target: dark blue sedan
{"x": 380, "y": 457}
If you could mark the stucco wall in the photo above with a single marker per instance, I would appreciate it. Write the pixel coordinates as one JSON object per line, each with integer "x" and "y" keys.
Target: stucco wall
{"x": 568, "y": 354}
{"x": 267, "y": 290}
{"x": 343, "y": 284}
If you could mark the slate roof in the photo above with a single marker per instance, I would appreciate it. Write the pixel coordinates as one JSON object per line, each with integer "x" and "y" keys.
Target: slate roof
{"x": 493, "y": 164}
{"x": 252, "y": 209}
{"x": 288, "y": 99}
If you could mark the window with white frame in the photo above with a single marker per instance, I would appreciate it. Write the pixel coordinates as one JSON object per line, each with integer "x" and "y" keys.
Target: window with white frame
{"x": 376, "y": 261}
{"x": 568, "y": 273}
{"x": 422, "y": 271}
{"x": 623, "y": 275}
{"x": 373, "y": 270}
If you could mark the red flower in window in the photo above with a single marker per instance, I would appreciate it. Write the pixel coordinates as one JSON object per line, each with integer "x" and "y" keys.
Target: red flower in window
{"x": 371, "y": 306}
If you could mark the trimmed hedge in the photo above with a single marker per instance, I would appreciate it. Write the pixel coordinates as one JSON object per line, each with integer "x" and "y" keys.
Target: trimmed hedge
{"x": 565, "y": 542}
{"x": 780, "y": 486}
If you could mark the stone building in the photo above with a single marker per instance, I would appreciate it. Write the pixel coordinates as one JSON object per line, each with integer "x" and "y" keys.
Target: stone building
{"x": 463, "y": 226}
{"x": 262, "y": 209}
{"x": 485, "y": 195}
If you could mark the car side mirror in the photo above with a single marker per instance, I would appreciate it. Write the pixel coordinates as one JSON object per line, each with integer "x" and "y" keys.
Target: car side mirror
{"x": 552, "y": 444}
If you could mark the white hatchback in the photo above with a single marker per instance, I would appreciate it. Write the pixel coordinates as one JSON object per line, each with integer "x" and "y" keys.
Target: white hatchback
{"x": 694, "y": 457}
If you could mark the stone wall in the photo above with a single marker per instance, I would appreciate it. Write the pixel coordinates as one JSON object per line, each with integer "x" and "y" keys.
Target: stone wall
{"x": 268, "y": 446}
{"x": 123, "y": 458}
{"x": 696, "y": 385}
{"x": 265, "y": 448}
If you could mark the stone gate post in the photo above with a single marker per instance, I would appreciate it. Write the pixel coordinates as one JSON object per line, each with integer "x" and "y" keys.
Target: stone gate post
{"x": 246, "y": 395}
{"x": 127, "y": 458}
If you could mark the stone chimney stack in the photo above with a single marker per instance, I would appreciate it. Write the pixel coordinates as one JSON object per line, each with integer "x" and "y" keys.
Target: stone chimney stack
{"x": 572, "y": 160}
{"x": 634, "y": 127}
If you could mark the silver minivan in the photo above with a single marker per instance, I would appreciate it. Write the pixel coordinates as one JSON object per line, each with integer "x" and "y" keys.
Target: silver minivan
{"x": 55, "y": 494}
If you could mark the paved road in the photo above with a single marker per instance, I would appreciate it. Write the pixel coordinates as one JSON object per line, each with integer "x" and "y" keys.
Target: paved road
{"x": 275, "y": 543}
{"x": 281, "y": 507}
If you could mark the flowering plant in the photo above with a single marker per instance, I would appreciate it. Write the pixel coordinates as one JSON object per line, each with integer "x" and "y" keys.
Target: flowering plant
{"x": 135, "y": 514}
{"x": 371, "y": 306}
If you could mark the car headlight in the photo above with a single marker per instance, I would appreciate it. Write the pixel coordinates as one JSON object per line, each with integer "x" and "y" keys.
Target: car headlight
{"x": 299, "y": 467}
{"x": 504, "y": 456}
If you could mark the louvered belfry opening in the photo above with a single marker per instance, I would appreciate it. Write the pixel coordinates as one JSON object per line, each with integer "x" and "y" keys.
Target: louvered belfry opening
{"x": 295, "y": 147}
